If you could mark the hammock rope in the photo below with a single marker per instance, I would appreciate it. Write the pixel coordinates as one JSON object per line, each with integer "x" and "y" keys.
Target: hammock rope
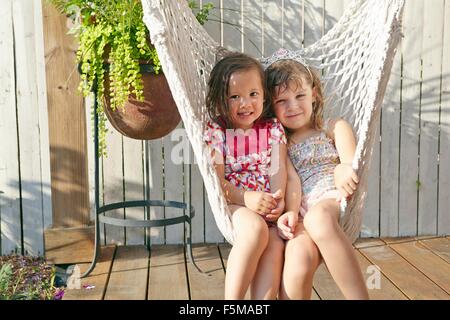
{"x": 355, "y": 58}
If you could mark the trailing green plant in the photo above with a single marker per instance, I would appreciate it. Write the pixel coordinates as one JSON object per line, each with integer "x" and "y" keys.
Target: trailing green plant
{"x": 113, "y": 31}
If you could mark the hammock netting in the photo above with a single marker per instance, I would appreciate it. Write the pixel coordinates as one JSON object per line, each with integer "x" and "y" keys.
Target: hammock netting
{"x": 354, "y": 58}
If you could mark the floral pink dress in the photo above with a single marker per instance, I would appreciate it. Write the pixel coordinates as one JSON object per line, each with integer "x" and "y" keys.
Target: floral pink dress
{"x": 246, "y": 157}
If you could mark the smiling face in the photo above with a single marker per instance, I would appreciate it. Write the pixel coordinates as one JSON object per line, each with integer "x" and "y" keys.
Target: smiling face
{"x": 245, "y": 98}
{"x": 293, "y": 105}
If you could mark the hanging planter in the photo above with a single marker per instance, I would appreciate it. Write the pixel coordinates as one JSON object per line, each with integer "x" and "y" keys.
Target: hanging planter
{"x": 138, "y": 105}
{"x": 153, "y": 117}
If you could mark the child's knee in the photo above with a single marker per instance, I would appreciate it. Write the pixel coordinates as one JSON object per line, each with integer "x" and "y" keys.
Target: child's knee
{"x": 321, "y": 222}
{"x": 253, "y": 231}
{"x": 303, "y": 268}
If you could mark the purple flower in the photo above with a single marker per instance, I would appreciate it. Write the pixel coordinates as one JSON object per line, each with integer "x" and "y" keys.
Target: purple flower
{"x": 59, "y": 294}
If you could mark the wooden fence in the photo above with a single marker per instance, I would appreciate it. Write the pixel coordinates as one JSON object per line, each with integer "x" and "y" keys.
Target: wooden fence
{"x": 409, "y": 188}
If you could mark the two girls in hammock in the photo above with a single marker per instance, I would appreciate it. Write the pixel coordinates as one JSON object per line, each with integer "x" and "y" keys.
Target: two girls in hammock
{"x": 278, "y": 255}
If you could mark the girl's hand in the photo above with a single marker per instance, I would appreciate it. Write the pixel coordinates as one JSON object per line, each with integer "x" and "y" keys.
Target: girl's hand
{"x": 275, "y": 213}
{"x": 346, "y": 180}
{"x": 261, "y": 202}
{"x": 286, "y": 225}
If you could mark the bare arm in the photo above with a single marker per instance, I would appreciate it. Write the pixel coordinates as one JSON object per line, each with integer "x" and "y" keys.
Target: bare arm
{"x": 345, "y": 177}
{"x": 293, "y": 189}
{"x": 277, "y": 171}
{"x": 342, "y": 134}
{"x": 277, "y": 177}
{"x": 288, "y": 221}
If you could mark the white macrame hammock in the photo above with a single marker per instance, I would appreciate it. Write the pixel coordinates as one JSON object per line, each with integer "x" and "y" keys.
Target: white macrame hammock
{"x": 355, "y": 59}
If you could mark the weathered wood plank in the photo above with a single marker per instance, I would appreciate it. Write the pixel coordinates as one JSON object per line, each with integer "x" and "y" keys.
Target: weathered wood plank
{"x": 128, "y": 279}
{"x": 272, "y": 26}
{"x": 88, "y": 105}
{"x": 252, "y": 27}
{"x": 69, "y": 245}
{"x": 208, "y": 285}
{"x": 426, "y": 261}
{"x": 314, "y": 295}
{"x": 429, "y": 117}
{"x": 167, "y": 278}
{"x": 173, "y": 184}
{"x": 411, "y": 46}
{"x": 232, "y": 29}
{"x": 403, "y": 275}
{"x": 134, "y": 187}
{"x": 28, "y": 126}
{"x": 371, "y": 213}
{"x": 10, "y": 227}
{"x": 332, "y": 13}
{"x": 292, "y": 25}
{"x": 197, "y": 199}
{"x": 389, "y": 159}
{"x": 368, "y": 242}
{"x": 67, "y": 126}
{"x": 440, "y": 246}
{"x": 444, "y": 141}
{"x": 47, "y": 209}
{"x": 213, "y": 26}
{"x": 378, "y": 286}
{"x": 392, "y": 240}
{"x": 98, "y": 278}
{"x": 113, "y": 183}
{"x": 313, "y": 21}
{"x": 155, "y": 172}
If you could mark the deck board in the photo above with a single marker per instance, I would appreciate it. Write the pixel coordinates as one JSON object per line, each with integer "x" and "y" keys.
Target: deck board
{"x": 98, "y": 277}
{"x": 426, "y": 261}
{"x": 208, "y": 285}
{"x": 405, "y": 276}
{"x": 412, "y": 268}
{"x": 167, "y": 278}
{"x": 368, "y": 242}
{"x": 128, "y": 280}
{"x": 325, "y": 286}
{"x": 440, "y": 247}
{"x": 392, "y": 240}
{"x": 386, "y": 289}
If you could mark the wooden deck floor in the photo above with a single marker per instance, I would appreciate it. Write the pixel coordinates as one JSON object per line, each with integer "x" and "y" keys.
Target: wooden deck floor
{"x": 411, "y": 268}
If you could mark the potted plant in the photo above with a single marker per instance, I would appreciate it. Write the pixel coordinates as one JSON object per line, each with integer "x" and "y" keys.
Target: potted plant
{"x": 114, "y": 46}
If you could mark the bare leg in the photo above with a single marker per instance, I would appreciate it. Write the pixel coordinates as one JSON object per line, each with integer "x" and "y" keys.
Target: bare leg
{"x": 322, "y": 224}
{"x": 252, "y": 236}
{"x": 302, "y": 258}
{"x": 266, "y": 282}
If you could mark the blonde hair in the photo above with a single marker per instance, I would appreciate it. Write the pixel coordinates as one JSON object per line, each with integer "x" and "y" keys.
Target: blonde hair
{"x": 282, "y": 72}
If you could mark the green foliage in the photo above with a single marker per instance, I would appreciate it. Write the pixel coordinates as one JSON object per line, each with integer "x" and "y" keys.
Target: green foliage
{"x": 113, "y": 31}
{"x": 26, "y": 278}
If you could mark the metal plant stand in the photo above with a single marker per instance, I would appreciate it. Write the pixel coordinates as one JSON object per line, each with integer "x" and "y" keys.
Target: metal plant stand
{"x": 186, "y": 218}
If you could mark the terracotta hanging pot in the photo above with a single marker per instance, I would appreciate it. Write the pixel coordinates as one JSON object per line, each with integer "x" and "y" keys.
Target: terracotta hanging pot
{"x": 153, "y": 118}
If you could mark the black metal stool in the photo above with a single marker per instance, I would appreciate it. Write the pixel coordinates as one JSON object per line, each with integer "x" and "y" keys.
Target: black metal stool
{"x": 186, "y": 218}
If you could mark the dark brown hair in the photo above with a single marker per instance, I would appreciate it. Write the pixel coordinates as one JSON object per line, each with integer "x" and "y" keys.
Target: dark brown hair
{"x": 284, "y": 72}
{"x": 218, "y": 84}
